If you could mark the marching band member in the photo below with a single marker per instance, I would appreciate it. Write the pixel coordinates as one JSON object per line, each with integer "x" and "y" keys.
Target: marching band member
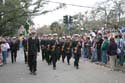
{"x": 68, "y": 47}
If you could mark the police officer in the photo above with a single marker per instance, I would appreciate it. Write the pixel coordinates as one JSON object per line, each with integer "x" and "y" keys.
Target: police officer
{"x": 33, "y": 48}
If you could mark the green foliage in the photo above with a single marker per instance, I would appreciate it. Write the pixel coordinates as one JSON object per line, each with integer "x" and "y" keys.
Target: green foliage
{"x": 14, "y": 13}
{"x": 43, "y": 30}
{"x": 55, "y": 27}
{"x": 104, "y": 15}
{"x": 12, "y": 16}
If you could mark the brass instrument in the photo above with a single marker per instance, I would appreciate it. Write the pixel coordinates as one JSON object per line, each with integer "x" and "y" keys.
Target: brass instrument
{"x": 48, "y": 47}
{"x": 53, "y": 48}
{"x": 62, "y": 48}
{"x": 68, "y": 49}
{"x": 75, "y": 50}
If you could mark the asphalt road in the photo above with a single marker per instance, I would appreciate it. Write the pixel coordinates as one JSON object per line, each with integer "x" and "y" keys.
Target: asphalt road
{"x": 88, "y": 73}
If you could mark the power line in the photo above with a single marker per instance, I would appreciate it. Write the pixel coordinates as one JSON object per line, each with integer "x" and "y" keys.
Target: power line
{"x": 71, "y": 4}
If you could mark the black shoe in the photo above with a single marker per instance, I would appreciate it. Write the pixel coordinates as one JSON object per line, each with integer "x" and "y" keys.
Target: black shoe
{"x": 63, "y": 61}
{"x": 26, "y": 62}
{"x": 15, "y": 60}
{"x": 31, "y": 73}
{"x": 121, "y": 64}
{"x": 34, "y": 73}
{"x": 77, "y": 67}
{"x": 68, "y": 63}
{"x": 54, "y": 68}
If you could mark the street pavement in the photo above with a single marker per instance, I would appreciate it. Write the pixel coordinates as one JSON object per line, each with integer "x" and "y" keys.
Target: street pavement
{"x": 87, "y": 73}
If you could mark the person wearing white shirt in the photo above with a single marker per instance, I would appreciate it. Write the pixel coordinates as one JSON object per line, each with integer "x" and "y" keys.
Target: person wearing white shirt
{"x": 4, "y": 47}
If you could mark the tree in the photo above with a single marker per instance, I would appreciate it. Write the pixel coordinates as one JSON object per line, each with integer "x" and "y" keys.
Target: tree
{"x": 15, "y": 13}
{"x": 103, "y": 10}
{"x": 119, "y": 8}
{"x": 55, "y": 27}
{"x": 43, "y": 30}
{"x": 110, "y": 14}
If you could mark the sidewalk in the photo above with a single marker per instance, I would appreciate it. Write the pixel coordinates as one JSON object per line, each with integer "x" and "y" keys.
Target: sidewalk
{"x": 118, "y": 67}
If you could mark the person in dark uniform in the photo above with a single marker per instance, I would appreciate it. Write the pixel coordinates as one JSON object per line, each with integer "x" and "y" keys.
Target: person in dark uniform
{"x": 14, "y": 46}
{"x": 77, "y": 54}
{"x": 58, "y": 49}
{"x": 38, "y": 43}
{"x": 24, "y": 43}
{"x": 76, "y": 45}
{"x": 68, "y": 47}
{"x": 46, "y": 41}
{"x": 54, "y": 53}
{"x": 62, "y": 47}
{"x": 42, "y": 43}
{"x": 54, "y": 56}
{"x": 33, "y": 48}
{"x": 48, "y": 52}
{"x": 48, "y": 49}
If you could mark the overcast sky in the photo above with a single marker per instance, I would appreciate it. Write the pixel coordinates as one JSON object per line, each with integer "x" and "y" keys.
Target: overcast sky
{"x": 69, "y": 10}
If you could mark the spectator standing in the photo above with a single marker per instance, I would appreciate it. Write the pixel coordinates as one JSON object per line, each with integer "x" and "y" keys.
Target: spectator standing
{"x": 112, "y": 52}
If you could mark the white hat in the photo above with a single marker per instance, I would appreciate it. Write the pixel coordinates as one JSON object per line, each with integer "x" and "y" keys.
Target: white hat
{"x": 63, "y": 37}
{"x": 99, "y": 31}
{"x": 93, "y": 34}
{"x": 50, "y": 34}
{"x": 76, "y": 35}
{"x": 33, "y": 30}
{"x": 14, "y": 37}
{"x": 55, "y": 34}
{"x": 68, "y": 36}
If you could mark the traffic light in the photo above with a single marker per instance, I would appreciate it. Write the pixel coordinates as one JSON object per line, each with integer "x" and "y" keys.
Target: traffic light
{"x": 65, "y": 19}
{"x": 70, "y": 19}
